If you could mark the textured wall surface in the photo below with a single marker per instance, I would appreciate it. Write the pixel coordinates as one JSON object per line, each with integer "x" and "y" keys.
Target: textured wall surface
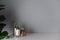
{"x": 37, "y": 15}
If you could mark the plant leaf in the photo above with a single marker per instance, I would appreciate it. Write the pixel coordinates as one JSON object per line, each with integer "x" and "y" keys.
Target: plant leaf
{"x": 1, "y": 9}
{"x": 2, "y": 5}
{"x": 2, "y": 26}
{"x": 2, "y": 18}
{"x": 3, "y": 34}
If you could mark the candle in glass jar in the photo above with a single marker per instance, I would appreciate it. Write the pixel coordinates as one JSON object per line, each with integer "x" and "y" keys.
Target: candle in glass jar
{"x": 16, "y": 32}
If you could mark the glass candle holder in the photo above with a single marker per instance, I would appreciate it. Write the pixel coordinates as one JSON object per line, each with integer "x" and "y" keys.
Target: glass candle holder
{"x": 16, "y": 32}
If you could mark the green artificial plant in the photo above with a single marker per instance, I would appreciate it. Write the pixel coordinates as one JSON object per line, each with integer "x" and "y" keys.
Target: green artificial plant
{"x": 16, "y": 25}
{"x": 3, "y": 34}
{"x": 2, "y": 7}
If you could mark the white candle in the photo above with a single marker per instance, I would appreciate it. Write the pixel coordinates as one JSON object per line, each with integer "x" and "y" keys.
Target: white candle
{"x": 17, "y": 32}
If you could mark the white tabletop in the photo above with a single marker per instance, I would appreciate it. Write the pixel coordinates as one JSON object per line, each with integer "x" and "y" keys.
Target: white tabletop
{"x": 38, "y": 36}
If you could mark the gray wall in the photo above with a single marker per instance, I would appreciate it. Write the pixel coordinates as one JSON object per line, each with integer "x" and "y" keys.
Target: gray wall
{"x": 37, "y": 15}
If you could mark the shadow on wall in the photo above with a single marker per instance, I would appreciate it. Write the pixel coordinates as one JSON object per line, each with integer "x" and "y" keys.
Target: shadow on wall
{"x": 10, "y": 18}
{"x": 13, "y": 18}
{"x": 15, "y": 15}
{"x": 27, "y": 28}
